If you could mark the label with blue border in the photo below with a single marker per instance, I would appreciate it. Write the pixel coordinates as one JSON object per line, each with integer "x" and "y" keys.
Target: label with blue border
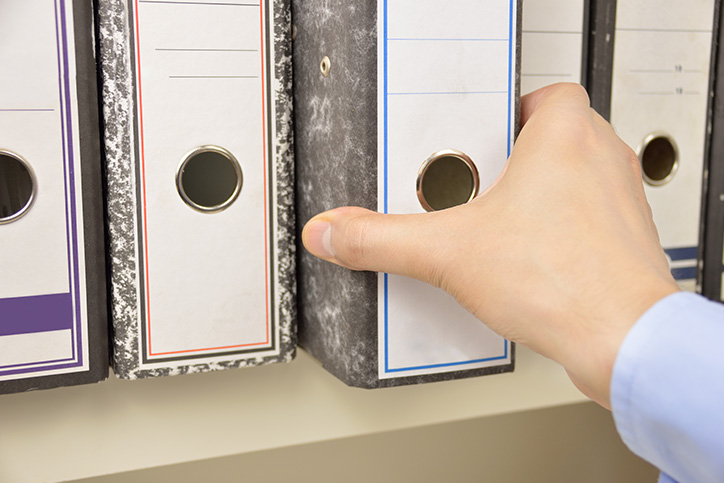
{"x": 447, "y": 80}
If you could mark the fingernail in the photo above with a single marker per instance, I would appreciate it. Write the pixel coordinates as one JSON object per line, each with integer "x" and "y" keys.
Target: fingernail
{"x": 318, "y": 239}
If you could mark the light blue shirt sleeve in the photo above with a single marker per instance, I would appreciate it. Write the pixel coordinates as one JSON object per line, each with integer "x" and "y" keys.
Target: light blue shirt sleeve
{"x": 667, "y": 388}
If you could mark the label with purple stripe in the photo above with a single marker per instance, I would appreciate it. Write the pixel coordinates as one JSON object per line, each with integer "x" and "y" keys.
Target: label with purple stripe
{"x": 43, "y": 320}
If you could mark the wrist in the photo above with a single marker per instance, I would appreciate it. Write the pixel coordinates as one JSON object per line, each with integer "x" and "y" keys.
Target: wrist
{"x": 590, "y": 365}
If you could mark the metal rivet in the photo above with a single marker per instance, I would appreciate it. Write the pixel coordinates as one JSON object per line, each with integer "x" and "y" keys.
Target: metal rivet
{"x": 325, "y": 66}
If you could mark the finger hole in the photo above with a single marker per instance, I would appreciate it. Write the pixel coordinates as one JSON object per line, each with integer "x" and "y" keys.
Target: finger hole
{"x": 209, "y": 179}
{"x": 659, "y": 157}
{"x": 17, "y": 187}
{"x": 447, "y": 178}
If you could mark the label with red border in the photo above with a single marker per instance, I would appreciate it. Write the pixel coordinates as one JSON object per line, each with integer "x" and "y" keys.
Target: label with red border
{"x": 205, "y": 279}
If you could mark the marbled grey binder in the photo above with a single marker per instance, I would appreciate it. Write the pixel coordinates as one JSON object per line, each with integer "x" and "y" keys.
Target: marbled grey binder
{"x": 116, "y": 21}
{"x": 336, "y": 138}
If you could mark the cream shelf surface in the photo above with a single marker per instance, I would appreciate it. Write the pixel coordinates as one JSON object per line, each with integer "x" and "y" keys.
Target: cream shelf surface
{"x": 117, "y": 426}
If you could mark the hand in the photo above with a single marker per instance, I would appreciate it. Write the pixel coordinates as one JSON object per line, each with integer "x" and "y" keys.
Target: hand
{"x": 560, "y": 254}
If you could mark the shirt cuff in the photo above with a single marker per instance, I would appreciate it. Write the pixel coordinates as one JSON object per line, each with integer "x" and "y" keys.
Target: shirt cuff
{"x": 667, "y": 388}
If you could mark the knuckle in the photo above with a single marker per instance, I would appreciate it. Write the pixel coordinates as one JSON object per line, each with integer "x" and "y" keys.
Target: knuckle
{"x": 574, "y": 90}
{"x": 633, "y": 161}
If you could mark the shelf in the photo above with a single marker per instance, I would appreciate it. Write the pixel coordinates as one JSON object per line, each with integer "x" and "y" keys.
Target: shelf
{"x": 116, "y": 426}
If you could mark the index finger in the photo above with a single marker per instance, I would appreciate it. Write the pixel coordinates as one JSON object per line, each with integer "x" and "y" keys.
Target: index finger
{"x": 563, "y": 95}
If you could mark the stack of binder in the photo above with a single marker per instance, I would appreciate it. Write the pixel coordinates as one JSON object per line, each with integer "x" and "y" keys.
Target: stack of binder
{"x": 401, "y": 106}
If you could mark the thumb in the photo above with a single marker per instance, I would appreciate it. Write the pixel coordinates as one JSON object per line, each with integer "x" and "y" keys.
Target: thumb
{"x": 360, "y": 239}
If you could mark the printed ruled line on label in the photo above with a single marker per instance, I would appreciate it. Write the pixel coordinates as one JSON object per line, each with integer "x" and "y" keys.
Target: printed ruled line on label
{"x": 443, "y": 93}
{"x": 159, "y": 49}
{"x": 414, "y": 39}
{"x": 26, "y": 110}
{"x": 211, "y": 4}
{"x": 565, "y": 32}
{"x": 669, "y": 93}
{"x": 545, "y": 75}
{"x": 663, "y": 71}
{"x": 653, "y": 71}
{"x": 701, "y": 31}
{"x": 213, "y": 77}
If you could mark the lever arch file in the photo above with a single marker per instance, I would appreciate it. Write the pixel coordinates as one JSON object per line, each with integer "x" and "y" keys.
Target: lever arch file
{"x": 554, "y": 43}
{"x": 53, "y": 324}
{"x": 660, "y": 85}
{"x": 400, "y": 106}
{"x": 197, "y": 113}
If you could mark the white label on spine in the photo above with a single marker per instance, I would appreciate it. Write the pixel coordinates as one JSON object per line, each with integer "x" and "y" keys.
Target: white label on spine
{"x": 202, "y": 72}
{"x": 446, "y": 80}
{"x": 552, "y": 43}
